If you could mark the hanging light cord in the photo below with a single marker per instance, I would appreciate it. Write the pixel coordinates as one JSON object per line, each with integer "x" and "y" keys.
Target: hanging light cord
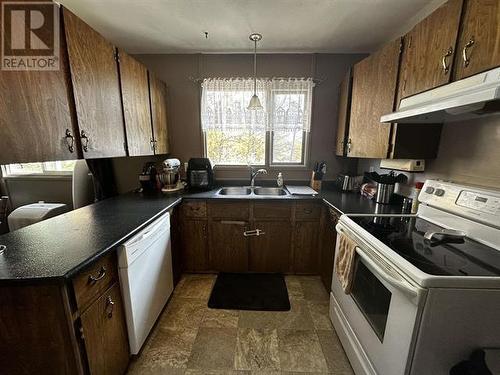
{"x": 255, "y": 67}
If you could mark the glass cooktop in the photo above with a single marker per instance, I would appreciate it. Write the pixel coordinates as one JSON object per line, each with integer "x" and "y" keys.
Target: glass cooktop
{"x": 444, "y": 256}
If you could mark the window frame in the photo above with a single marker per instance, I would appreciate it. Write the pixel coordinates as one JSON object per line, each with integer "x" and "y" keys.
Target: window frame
{"x": 268, "y": 162}
{"x": 44, "y": 174}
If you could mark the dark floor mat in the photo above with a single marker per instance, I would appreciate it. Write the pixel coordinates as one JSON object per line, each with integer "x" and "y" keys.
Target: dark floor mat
{"x": 250, "y": 291}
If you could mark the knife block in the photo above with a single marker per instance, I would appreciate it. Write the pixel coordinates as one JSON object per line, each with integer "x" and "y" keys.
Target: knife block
{"x": 315, "y": 184}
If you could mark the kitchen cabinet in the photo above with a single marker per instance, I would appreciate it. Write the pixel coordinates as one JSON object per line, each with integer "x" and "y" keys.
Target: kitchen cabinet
{"x": 136, "y": 105}
{"x": 478, "y": 47}
{"x": 158, "y": 95}
{"x": 96, "y": 89}
{"x": 228, "y": 247}
{"x": 65, "y": 327}
{"x": 105, "y": 334}
{"x": 373, "y": 91}
{"x": 270, "y": 252}
{"x": 194, "y": 239}
{"x": 429, "y": 50}
{"x": 306, "y": 250}
{"x": 288, "y": 240}
{"x": 37, "y": 115}
{"x": 345, "y": 96}
{"x": 328, "y": 239}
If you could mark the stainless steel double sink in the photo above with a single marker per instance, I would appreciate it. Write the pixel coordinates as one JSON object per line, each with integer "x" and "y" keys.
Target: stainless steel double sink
{"x": 247, "y": 190}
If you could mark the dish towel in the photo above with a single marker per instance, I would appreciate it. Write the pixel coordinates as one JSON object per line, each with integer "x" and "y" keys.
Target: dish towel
{"x": 345, "y": 262}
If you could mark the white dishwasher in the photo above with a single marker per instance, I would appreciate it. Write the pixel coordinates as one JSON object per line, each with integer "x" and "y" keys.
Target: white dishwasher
{"x": 146, "y": 280}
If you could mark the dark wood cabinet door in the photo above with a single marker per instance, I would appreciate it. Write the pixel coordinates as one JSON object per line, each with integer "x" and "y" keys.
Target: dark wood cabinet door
{"x": 228, "y": 247}
{"x": 270, "y": 252}
{"x": 96, "y": 88}
{"x": 36, "y": 112}
{"x": 328, "y": 241}
{"x": 158, "y": 94}
{"x": 136, "y": 106}
{"x": 306, "y": 247}
{"x": 373, "y": 91}
{"x": 479, "y": 39}
{"x": 429, "y": 50}
{"x": 105, "y": 334}
{"x": 344, "y": 114}
{"x": 194, "y": 239}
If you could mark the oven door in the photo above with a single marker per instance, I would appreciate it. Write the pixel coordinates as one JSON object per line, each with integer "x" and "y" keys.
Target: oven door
{"x": 381, "y": 312}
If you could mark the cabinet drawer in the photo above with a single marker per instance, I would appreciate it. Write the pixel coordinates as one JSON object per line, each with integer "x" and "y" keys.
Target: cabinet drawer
{"x": 307, "y": 211}
{"x": 194, "y": 209}
{"x": 269, "y": 210}
{"x": 229, "y": 210}
{"x": 94, "y": 280}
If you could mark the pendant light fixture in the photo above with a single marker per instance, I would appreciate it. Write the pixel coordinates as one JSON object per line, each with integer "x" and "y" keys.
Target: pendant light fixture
{"x": 255, "y": 101}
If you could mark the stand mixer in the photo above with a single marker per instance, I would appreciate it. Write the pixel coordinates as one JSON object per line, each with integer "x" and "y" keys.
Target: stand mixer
{"x": 169, "y": 177}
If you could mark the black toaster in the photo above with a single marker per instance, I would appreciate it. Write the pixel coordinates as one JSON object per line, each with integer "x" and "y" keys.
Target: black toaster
{"x": 200, "y": 174}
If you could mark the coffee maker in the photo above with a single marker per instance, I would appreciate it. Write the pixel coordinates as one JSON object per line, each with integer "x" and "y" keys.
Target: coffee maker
{"x": 169, "y": 177}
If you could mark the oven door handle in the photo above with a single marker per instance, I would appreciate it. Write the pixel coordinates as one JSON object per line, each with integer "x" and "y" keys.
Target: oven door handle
{"x": 402, "y": 286}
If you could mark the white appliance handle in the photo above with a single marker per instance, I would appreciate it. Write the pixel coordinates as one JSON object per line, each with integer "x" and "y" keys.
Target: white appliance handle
{"x": 402, "y": 286}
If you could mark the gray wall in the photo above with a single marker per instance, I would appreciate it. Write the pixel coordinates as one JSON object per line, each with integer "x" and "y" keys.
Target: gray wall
{"x": 469, "y": 152}
{"x": 179, "y": 72}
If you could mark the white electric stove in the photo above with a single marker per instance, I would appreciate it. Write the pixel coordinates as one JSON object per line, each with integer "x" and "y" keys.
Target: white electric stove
{"x": 426, "y": 290}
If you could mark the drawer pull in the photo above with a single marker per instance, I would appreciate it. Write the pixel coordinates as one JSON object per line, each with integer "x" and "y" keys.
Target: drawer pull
{"x": 308, "y": 211}
{"x": 100, "y": 276}
{"x": 110, "y": 306}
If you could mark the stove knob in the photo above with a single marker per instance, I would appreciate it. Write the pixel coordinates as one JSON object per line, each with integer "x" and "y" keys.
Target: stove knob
{"x": 439, "y": 192}
{"x": 429, "y": 190}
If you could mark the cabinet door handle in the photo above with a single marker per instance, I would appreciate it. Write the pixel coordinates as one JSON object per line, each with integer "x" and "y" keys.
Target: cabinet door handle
{"x": 466, "y": 58}
{"x": 349, "y": 145}
{"x": 85, "y": 141}
{"x": 110, "y": 306}
{"x": 254, "y": 232}
{"x": 444, "y": 61}
{"x": 70, "y": 140}
{"x": 100, "y": 276}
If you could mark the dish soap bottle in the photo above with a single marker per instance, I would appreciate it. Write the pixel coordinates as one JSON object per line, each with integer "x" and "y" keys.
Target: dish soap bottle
{"x": 279, "y": 180}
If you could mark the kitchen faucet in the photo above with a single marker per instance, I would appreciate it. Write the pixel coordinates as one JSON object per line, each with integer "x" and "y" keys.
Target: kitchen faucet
{"x": 254, "y": 173}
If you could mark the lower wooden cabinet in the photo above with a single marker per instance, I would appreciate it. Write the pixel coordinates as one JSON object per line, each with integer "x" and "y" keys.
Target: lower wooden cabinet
{"x": 228, "y": 247}
{"x": 194, "y": 240}
{"x": 270, "y": 252}
{"x": 328, "y": 240}
{"x": 105, "y": 334}
{"x": 59, "y": 327}
{"x": 305, "y": 248}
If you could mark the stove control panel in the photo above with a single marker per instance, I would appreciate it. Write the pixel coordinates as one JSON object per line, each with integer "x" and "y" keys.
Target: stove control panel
{"x": 475, "y": 203}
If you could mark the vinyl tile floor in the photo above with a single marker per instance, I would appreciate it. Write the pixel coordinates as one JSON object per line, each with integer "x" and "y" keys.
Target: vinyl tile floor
{"x": 190, "y": 338}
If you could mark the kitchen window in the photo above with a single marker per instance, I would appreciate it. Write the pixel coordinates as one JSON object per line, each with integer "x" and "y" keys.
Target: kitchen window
{"x": 56, "y": 168}
{"x": 276, "y": 135}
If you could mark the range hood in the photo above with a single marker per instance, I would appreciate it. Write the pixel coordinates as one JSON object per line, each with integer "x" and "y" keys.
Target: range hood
{"x": 468, "y": 98}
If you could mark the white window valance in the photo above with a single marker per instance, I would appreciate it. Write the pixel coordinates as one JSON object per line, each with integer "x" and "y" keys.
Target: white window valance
{"x": 286, "y": 104}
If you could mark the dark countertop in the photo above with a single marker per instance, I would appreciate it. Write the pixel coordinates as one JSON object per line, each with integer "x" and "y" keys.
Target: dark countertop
{"x": 57, "y": 248}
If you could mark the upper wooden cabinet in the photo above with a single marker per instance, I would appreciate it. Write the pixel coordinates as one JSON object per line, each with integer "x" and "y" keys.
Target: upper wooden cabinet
{"x": 479, "y": 41}
{"x": 373, "y": 90}
{"x": 96, "y": 89}
{"x": 136, "y": 105}
{"x": 158, "y": 94}
{"x": 37, "y": 116}
{"x": 429, "y": 49}
{"x": 344, "y": 114}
